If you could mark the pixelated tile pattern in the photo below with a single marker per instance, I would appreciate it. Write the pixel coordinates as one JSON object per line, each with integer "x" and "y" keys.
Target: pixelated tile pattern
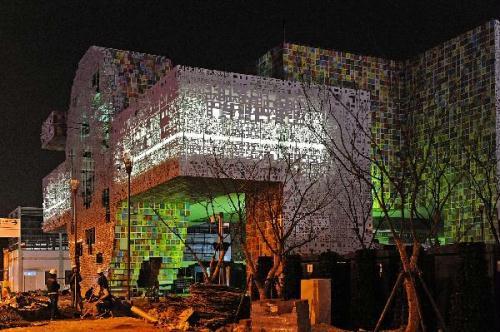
{"x": 150, "y": 238}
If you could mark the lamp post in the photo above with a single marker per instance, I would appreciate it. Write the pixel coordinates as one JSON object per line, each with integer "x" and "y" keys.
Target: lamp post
{"x": 74, "y": 183}
{"x": 127, "y": 160}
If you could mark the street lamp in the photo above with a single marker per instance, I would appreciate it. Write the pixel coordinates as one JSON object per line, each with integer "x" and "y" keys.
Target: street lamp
{"x": 127, "y": 160}
{"x": 74, "y": 183}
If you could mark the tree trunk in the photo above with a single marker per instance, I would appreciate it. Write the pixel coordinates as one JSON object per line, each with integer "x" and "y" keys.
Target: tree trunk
{"x": 253, "y": 273}
{"x": 270, "y": 278}
{"x": 261, "y": 290}
{"x": 216, "y": 270}
{"x": 412, "y": 299}
{"x": 409, "y": 267}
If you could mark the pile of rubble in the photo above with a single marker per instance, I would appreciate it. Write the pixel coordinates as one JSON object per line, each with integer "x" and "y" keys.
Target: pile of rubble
{"x": 208, "y": 307}
{"x": 9, "y": 317}
{"x": 20, "y": 308}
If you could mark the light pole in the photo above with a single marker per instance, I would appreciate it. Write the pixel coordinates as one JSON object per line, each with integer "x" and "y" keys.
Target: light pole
{"x": 127, "y": 160}
{"x": 74, "y": 183}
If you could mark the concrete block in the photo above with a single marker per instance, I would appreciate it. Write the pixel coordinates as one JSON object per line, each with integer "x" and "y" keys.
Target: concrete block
{"x": 318, "y": 293}
{"x": 280, "y": 316}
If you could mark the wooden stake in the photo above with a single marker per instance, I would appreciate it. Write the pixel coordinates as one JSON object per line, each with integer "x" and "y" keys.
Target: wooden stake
{"x": 389, "y": 300}
{"x": 433, "y": 303}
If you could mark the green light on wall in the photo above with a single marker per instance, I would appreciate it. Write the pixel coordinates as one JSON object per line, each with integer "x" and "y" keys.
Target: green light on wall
{"x": 151, "y": 238}
{"x": 227, "y": 204}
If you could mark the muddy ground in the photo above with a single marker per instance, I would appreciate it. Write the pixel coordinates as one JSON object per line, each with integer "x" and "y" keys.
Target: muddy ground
{"x": 77, "y": 325}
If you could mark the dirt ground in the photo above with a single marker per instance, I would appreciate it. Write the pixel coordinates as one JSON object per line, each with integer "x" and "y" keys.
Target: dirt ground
{"x": 107, "y": 324}
{"x": 119, "y": 324}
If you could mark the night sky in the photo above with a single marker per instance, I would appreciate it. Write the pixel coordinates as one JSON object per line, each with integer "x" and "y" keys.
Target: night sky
{"x": 41, "y": 43}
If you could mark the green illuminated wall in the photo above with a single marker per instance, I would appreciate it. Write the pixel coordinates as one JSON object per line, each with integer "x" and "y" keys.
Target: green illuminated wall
{"x": 227, "y": 204}
{"x": 382, "y": 78}
{"x": 150, "y": 238}
{"x": 450, "y": 87}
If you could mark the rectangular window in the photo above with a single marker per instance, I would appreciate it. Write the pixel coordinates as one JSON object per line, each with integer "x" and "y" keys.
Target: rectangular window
{"x": 99, "y": 259}
{"x": 95, "y": 81}
{"x": 84, "y": 129}
{"x": 90, "y": 239}
{"x": 79, "y": 249}
{"x": 87, "y": 178}
{"x": 105, "y": 204}
{"x": 67, "y": 276}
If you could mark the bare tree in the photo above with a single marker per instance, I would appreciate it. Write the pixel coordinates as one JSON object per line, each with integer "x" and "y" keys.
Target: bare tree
{"x": 482, "y": 176}
{"x": 443, "y": 175}
{"x": 395, "y": 178}
{"x": 208, "y": 201}
{"x": 278, "y": 202}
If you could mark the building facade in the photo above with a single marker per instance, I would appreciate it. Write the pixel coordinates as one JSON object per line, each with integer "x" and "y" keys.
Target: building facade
{"x": 28, "y": 259}
{"x": 175, "y": 122}
{"x": 184, "y": 117}
{"x": 452, "y": 88}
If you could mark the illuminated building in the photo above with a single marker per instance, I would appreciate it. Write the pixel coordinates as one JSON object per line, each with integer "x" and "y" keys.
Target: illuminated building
{"x": 454, "y": 86}
{"x": 179, "y": 117}
{"x": 171, "y": 119}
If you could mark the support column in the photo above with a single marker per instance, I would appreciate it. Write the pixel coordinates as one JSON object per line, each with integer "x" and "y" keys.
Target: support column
{"x": 20, "y": 277}
{"x": 61, "y": 259}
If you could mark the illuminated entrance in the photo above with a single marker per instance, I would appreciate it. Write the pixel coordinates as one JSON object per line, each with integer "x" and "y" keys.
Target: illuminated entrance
{"x": 171, "y": 226}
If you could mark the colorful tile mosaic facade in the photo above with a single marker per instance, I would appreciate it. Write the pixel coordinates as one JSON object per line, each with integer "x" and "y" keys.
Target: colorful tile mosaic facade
{"x": 150, "y": 238}
{"x": 381, "y": 78}
{"x": 452, "y": 84}
{"x": 129, "y": 74}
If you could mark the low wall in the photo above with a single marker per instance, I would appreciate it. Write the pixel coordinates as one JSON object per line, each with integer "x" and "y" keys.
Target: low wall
{"x": 362, "y": 282}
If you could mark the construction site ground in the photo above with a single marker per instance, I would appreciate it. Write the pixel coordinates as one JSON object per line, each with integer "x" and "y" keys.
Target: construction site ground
{"x": 117, "y": 324}
{"x": 76, "y": 325}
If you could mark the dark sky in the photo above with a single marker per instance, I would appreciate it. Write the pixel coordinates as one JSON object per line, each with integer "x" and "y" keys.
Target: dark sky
{"x": 41, "y": 43}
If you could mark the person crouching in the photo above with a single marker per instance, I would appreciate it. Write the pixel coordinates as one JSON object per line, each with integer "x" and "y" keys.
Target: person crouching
{"x": 104, "y": 303}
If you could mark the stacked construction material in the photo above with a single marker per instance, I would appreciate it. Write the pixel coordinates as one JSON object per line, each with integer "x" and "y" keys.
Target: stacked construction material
{"x": 32, "y": 300}
{"x": 9, "y": 317}
{"x": 208, "y": 306}
{"x": 23, "y": 307}
{"x": 31, "y": 306}
{"x": 214, "y": 305}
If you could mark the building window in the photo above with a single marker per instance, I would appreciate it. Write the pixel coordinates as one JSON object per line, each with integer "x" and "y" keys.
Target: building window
{"x": 99, "y": 259}
{"x": 105, "y": 204}
{"x": 79, "y": 249}
{"x": 87, "y": 178}
{"x": 90, "y": 239}
{"x": 67, "y": 276}
{"x": 95, "y": 81}
{"x": 84, "y": 128}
